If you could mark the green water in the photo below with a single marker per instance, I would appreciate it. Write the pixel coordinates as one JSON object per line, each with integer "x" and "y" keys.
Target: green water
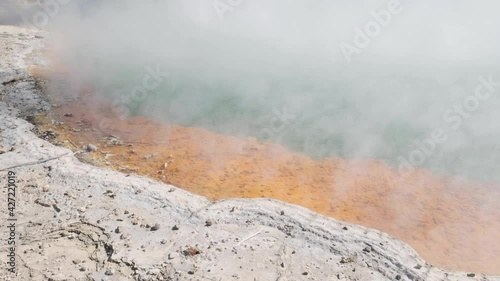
{"x": 373, "y": 112}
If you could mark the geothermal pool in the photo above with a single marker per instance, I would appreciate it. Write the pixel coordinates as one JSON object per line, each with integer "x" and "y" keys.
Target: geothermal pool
{"x": 383, "y": 114}
{"x": 404, "y": 137}
{"x": 451, "y": 221}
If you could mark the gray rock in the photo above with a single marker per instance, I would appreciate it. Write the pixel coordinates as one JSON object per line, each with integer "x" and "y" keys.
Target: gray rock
{"x": 90, "y": 148}
{"x": 155, "y": 227}
{"x": 173, "y": 255}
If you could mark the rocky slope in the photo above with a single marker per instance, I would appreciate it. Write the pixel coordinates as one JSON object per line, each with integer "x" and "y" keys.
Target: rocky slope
{"x": 80, "y": 222}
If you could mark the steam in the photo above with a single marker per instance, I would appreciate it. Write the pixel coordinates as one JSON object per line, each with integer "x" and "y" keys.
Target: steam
{"x": 231, "y": 73}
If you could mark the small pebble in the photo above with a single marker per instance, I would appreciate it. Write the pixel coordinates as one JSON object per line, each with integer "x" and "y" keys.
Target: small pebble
{"x": 90, "y": 147}
{"x": 173, "y": 255}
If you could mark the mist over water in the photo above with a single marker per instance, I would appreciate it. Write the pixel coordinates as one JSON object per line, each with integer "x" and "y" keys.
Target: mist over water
{"x": 237, "y": 74}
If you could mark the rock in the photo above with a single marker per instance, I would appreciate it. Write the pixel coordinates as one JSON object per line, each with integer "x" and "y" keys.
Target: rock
{"x": 347, "y": 260}
{"x": 155, "y": 227}
{"x": 56, "y": 208}
{"x": 118, "y": 230}
{"x": 175, "y": 227}
{"x": 471, "y": 275}
{"x": 191, "y": 251}
{"x": 173, "y": 255}
{"x": 49, "y": 135}
{"x": 208, "y": 222}
{"x": 110, "y": 193}
{"x": 109, "y": 272}
{"x": 90, "y": 147}
{"x": 148, "y": 156}
{"x": 114, "y": 141}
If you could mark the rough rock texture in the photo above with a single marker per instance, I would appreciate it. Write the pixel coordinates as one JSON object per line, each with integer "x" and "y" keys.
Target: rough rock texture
{"x": 79, "y": 222}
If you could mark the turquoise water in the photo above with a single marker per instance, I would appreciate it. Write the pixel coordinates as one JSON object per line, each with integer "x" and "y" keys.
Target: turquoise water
{"x": 370, "y": 112}
{"x": 238, "y": 74}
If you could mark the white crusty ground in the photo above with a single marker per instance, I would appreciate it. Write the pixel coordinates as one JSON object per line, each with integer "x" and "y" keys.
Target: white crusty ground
{"x": 79, "y": 222}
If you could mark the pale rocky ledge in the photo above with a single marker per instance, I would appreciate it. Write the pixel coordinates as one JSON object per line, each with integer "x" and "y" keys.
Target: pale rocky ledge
{"x": 80, "y": 222}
